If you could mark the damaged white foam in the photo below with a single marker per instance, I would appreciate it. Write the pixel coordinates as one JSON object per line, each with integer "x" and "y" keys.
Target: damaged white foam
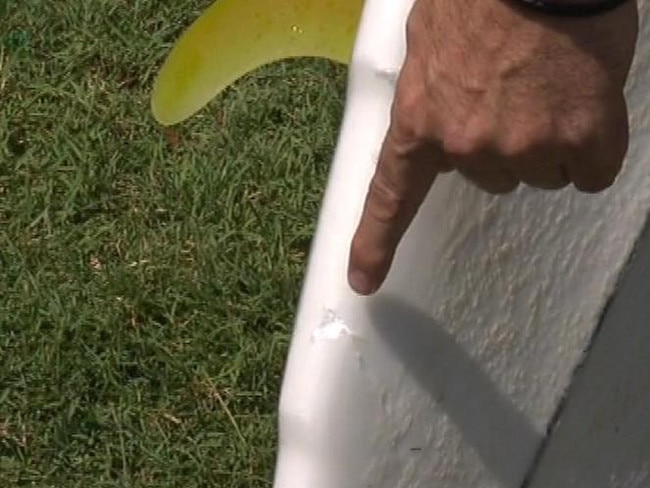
{"x": 331, "y": 328}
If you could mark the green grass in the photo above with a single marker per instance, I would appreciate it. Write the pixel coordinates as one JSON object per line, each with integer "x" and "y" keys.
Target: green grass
{"x": 148, "y": 278}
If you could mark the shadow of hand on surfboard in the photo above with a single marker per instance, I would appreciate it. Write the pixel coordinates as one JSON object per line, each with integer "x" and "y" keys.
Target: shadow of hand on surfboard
{"x": 485, "y": 417}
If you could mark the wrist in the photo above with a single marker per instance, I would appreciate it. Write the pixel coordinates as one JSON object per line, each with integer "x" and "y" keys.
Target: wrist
{"x": 573, "y": 2}
{"x": 572, "y": 8}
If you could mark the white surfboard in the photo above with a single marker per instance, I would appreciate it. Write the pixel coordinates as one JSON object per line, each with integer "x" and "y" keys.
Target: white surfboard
{"x": 510, "y": 344}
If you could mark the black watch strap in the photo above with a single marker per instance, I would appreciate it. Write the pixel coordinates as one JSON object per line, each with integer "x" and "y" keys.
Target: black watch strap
{"x": 564, "y": 9}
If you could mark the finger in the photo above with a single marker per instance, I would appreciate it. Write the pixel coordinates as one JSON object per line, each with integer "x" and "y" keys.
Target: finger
{"x": 404, "y": 174}
{"x": 488, "y": 177}
{"x": 593, "y": 178}
{"x": 594, "y": 167}
{"x": 541, "y": 171}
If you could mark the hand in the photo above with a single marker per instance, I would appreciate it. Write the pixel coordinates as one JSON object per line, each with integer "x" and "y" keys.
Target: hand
{"x": 502, "y": 96}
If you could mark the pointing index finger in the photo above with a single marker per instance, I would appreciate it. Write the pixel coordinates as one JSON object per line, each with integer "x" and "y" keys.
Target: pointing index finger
{"x": 405, "y": 172}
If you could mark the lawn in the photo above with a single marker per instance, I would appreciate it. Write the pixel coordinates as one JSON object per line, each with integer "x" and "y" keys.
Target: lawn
{"x": 148, "y": 277}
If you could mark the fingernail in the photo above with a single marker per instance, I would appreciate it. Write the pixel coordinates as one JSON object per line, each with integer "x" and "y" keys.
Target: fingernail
{"x": 361, "y": 283}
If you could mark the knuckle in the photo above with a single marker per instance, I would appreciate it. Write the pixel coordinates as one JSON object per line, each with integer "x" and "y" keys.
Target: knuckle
{"x": 517, "y": 145}
{"x": 401, "y": 142}
{"x": 407, "y": 113}
{"x": 408, "y": 121}
{"x": 464, "y": 142}
{"x": 579, "y": 132}
{"x": 577, "y": 138}
{"x": 406, "y": 102}
{"x": 522, "y": 138}
{"x": 386, "y": 205}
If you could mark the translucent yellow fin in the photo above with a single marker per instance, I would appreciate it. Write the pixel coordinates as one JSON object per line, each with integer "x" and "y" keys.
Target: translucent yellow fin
{"x": 234, "y": 37}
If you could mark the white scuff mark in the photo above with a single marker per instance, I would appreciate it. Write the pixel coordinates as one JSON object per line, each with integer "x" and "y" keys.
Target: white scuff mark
{"x": 331, "y": 328}
{"x": 388, "y": 73}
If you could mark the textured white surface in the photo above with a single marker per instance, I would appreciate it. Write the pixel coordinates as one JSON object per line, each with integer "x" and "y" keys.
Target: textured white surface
{"x": 450, "y": 376}
{"x": 602, "y": 438}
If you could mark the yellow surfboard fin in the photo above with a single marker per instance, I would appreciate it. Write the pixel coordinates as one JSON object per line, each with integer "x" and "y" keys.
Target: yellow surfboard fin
{"x": 234, "y": 37}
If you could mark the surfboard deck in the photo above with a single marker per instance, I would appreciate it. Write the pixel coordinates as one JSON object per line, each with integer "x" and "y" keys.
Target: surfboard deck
{"x": 460, "y": 372}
